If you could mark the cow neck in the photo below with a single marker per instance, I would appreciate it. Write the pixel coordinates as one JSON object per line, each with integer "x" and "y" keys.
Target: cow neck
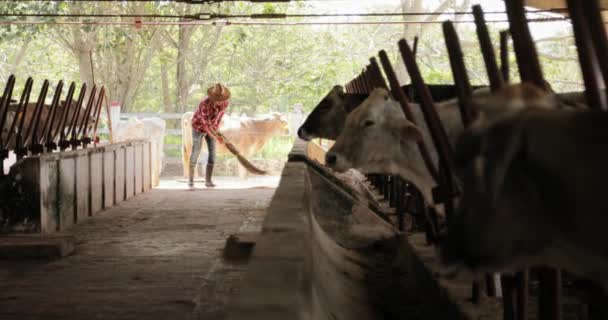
{"x": 411, "y": 166}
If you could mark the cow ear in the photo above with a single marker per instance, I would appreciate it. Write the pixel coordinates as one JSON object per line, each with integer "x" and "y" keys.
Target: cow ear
{"x": 408, "y": 131}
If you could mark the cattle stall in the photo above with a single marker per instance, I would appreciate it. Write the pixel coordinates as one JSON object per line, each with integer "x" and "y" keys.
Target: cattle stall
{"x": 515, "y": 288}
{"x": 55, "y": 169}
{"x": 540, "y": 292}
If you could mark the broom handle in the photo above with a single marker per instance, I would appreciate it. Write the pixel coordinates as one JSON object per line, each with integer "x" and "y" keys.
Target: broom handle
{"x": 217, "y": 134}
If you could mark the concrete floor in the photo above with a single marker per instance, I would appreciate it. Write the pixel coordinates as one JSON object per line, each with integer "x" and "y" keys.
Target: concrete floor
{"x": 157, "y": 256}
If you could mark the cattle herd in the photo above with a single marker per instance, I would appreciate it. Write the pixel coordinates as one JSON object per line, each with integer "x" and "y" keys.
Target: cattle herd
{"x": 513, "y": 172}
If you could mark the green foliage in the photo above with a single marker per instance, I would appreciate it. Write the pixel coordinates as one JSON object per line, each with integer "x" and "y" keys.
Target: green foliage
{"x": 268, "y": 68}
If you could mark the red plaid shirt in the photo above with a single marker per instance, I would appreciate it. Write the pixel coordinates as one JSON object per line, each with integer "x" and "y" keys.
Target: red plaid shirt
{"x": 209, "y": 115}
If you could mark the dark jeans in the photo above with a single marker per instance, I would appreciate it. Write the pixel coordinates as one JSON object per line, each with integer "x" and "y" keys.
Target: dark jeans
{"x": 197, "y": 141}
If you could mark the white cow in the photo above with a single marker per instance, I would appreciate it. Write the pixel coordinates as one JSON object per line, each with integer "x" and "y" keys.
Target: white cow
{"x": 152, "y": 128}
{"x": 377, "y": 138}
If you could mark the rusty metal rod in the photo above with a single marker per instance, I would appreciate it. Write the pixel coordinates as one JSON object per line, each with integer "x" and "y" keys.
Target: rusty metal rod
{"x": 102, "y": 96}
{"x": 377, "y": 74}
{"x": 34, "y": 146}
{"x": 504, "y": 55}
{"x": 525, "y": 50}
{"x": 593, "y": 14}
{"x": 440, "y": 138}
{"x": 487, "y": 49}
{"x": 6, "y": 100}
{"x": 367, "y": 84}
{"x": 446, "y": 190}
{"x": 549, "y": 296}
{"x": 589, "y": 61}
{"x": 400, "y": 96}
{"x": 64, "y": 113}
{"x": 522, "y": 283}
{"x": 47, "y": 129}
{"x": 459, "y": 73}
{"x": 74, "y": 120}
{"x": 87, "y": 112}
{"x": 17, "y": 124}
{"x": 509, "y": 305}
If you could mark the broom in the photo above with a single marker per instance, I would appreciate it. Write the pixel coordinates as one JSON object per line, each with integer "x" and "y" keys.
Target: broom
{"x": 242, "y": 160}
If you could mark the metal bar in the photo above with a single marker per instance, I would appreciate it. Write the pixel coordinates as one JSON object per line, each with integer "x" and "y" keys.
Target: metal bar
{"x": 87, "y": 113}
{"x": 549, "y": 296}
{"x": 64, "y": 113}
{"x": 415, "y": 46}
{"x": 47, "y": 130}
{"x": 6, "y": 100}
{"x": 4, "y": 106}
{"x": 525, "y": 50}
{"x": 359, "y": 84}
{"x": 84, "y": 140}
{"x": 509, "y": 305}
{"x": 367, "y": 84}
{"x": 400, "y": 96}
{"x": 64, "y": 127}
{"x": 438, "y": 134}
{"x": 487, "y": 49}
{"x": 593, "y": 15}
{"x": 20, "y": 118}
{"x": 589, "y": 61}
{"x": 377, "y": 74}
{"x": 504, "y": 55}
{"x": 34, "y": 145}
{"x": 74, "y": 120}
{"x": 100, "y": 99}
{"x": 459, "y": 73}
{"x": 440, "y": 138}
{"x": 522, "y": 283}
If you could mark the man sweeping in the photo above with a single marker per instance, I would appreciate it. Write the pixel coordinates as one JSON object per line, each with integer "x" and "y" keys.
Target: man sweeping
{"x": 205, "y": 124}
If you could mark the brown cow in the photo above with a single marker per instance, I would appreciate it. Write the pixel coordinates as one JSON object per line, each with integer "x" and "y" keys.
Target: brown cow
{"x": 248, "y": 136}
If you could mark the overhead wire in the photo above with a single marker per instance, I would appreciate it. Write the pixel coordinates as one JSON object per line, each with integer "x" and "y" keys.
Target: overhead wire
{"x": 253, "y": 23}
{"x": 264, "y": 15}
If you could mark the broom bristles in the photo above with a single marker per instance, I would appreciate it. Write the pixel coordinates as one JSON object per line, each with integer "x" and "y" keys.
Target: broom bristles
{"x": 251, "y": 168}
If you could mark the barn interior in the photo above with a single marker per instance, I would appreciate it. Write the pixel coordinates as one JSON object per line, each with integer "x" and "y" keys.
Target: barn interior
{"x": 364, "y": 162}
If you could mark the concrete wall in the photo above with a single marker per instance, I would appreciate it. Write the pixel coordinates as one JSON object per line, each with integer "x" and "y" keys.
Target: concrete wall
{"x": 68, "y": 187}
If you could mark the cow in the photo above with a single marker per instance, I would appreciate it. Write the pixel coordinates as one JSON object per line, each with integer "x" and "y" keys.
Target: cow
{"x": 327, "y": 119}
{"x": 377, "y": 138}
{"x": 247, "y": 135}
{"x": 533, "y": 182}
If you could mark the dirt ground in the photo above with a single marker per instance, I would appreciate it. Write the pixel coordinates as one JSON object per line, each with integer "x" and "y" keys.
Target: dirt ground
{"x": 157, "y": 256}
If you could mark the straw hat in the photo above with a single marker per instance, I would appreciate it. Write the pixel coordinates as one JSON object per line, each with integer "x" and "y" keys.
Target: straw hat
{"x": 218, "y": 92}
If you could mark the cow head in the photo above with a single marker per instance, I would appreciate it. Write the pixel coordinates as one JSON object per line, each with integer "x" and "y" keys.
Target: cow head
{"x": 282, "y": 124}
{"x": 328, "y": 117}
{"x": 373, "y": 137}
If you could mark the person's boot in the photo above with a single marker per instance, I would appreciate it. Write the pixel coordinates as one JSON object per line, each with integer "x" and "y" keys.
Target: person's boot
{"x": 208, "y": 175}
{"x": 191, "y": 177}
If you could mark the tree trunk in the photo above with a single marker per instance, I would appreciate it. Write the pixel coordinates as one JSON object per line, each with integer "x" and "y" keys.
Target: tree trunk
{"x": 20, "y": 54}
{"x": 185, "y": 35}
{"x": 166, "y": 95}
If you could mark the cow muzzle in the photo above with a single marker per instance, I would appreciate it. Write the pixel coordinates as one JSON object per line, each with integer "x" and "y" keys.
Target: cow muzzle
{"x": 303, "y": 134}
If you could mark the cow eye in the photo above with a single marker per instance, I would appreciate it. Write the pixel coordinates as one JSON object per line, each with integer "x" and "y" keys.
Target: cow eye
{"x": 368, "y": 123}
